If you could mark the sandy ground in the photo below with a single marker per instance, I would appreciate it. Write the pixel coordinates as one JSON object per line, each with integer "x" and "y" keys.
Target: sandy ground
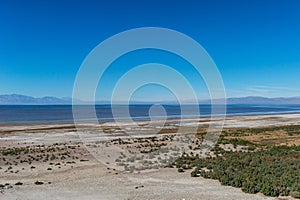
{"x": 93, "y": 180}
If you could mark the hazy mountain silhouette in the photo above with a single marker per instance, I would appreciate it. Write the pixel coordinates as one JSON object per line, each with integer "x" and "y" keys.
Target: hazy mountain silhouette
{"x": 15, "y": 99}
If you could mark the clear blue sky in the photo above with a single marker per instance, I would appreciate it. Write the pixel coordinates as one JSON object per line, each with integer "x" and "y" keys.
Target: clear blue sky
{"x": 255, "y": 43}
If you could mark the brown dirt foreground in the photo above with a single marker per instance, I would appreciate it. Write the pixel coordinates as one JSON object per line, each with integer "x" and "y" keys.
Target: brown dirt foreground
{"x": 95, "y": 182}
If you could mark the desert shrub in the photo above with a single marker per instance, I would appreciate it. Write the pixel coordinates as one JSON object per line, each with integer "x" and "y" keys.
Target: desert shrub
{"x": 273, "y": 172}
{"x": 39, "y": 183}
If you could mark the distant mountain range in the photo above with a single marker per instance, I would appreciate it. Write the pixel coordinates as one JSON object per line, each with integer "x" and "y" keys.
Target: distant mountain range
{"x": 264, "y": 100}
{"x": 16, "y": 99}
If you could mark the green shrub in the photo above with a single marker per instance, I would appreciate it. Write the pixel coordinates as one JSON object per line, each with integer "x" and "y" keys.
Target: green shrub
{"x": 273, "y": 172}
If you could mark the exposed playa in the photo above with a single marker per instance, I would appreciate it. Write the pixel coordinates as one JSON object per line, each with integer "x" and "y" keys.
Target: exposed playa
{"x": 53, "y": 161}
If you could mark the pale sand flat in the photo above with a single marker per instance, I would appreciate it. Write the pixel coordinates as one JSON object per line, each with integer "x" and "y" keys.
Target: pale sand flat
{"x": 93, "y": 182}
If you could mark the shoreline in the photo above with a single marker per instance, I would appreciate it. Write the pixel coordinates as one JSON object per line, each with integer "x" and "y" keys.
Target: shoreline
{"x": 43, "y": 125}
{"x": 145, "y": 118}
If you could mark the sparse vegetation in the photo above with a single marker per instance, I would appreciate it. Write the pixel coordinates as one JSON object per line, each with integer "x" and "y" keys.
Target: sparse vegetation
{"x": 256, "y": 160}
{"x": 17, "y": 159}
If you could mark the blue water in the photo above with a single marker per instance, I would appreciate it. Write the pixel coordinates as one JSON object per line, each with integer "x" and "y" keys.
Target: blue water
{"x": 63, "y": 113}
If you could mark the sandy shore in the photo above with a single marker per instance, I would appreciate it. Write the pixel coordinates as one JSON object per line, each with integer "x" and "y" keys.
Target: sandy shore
{"x": 81, "y": 176}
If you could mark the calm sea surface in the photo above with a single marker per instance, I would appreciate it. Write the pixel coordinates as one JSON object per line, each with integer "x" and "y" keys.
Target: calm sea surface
{"x": 61, "y": 113}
